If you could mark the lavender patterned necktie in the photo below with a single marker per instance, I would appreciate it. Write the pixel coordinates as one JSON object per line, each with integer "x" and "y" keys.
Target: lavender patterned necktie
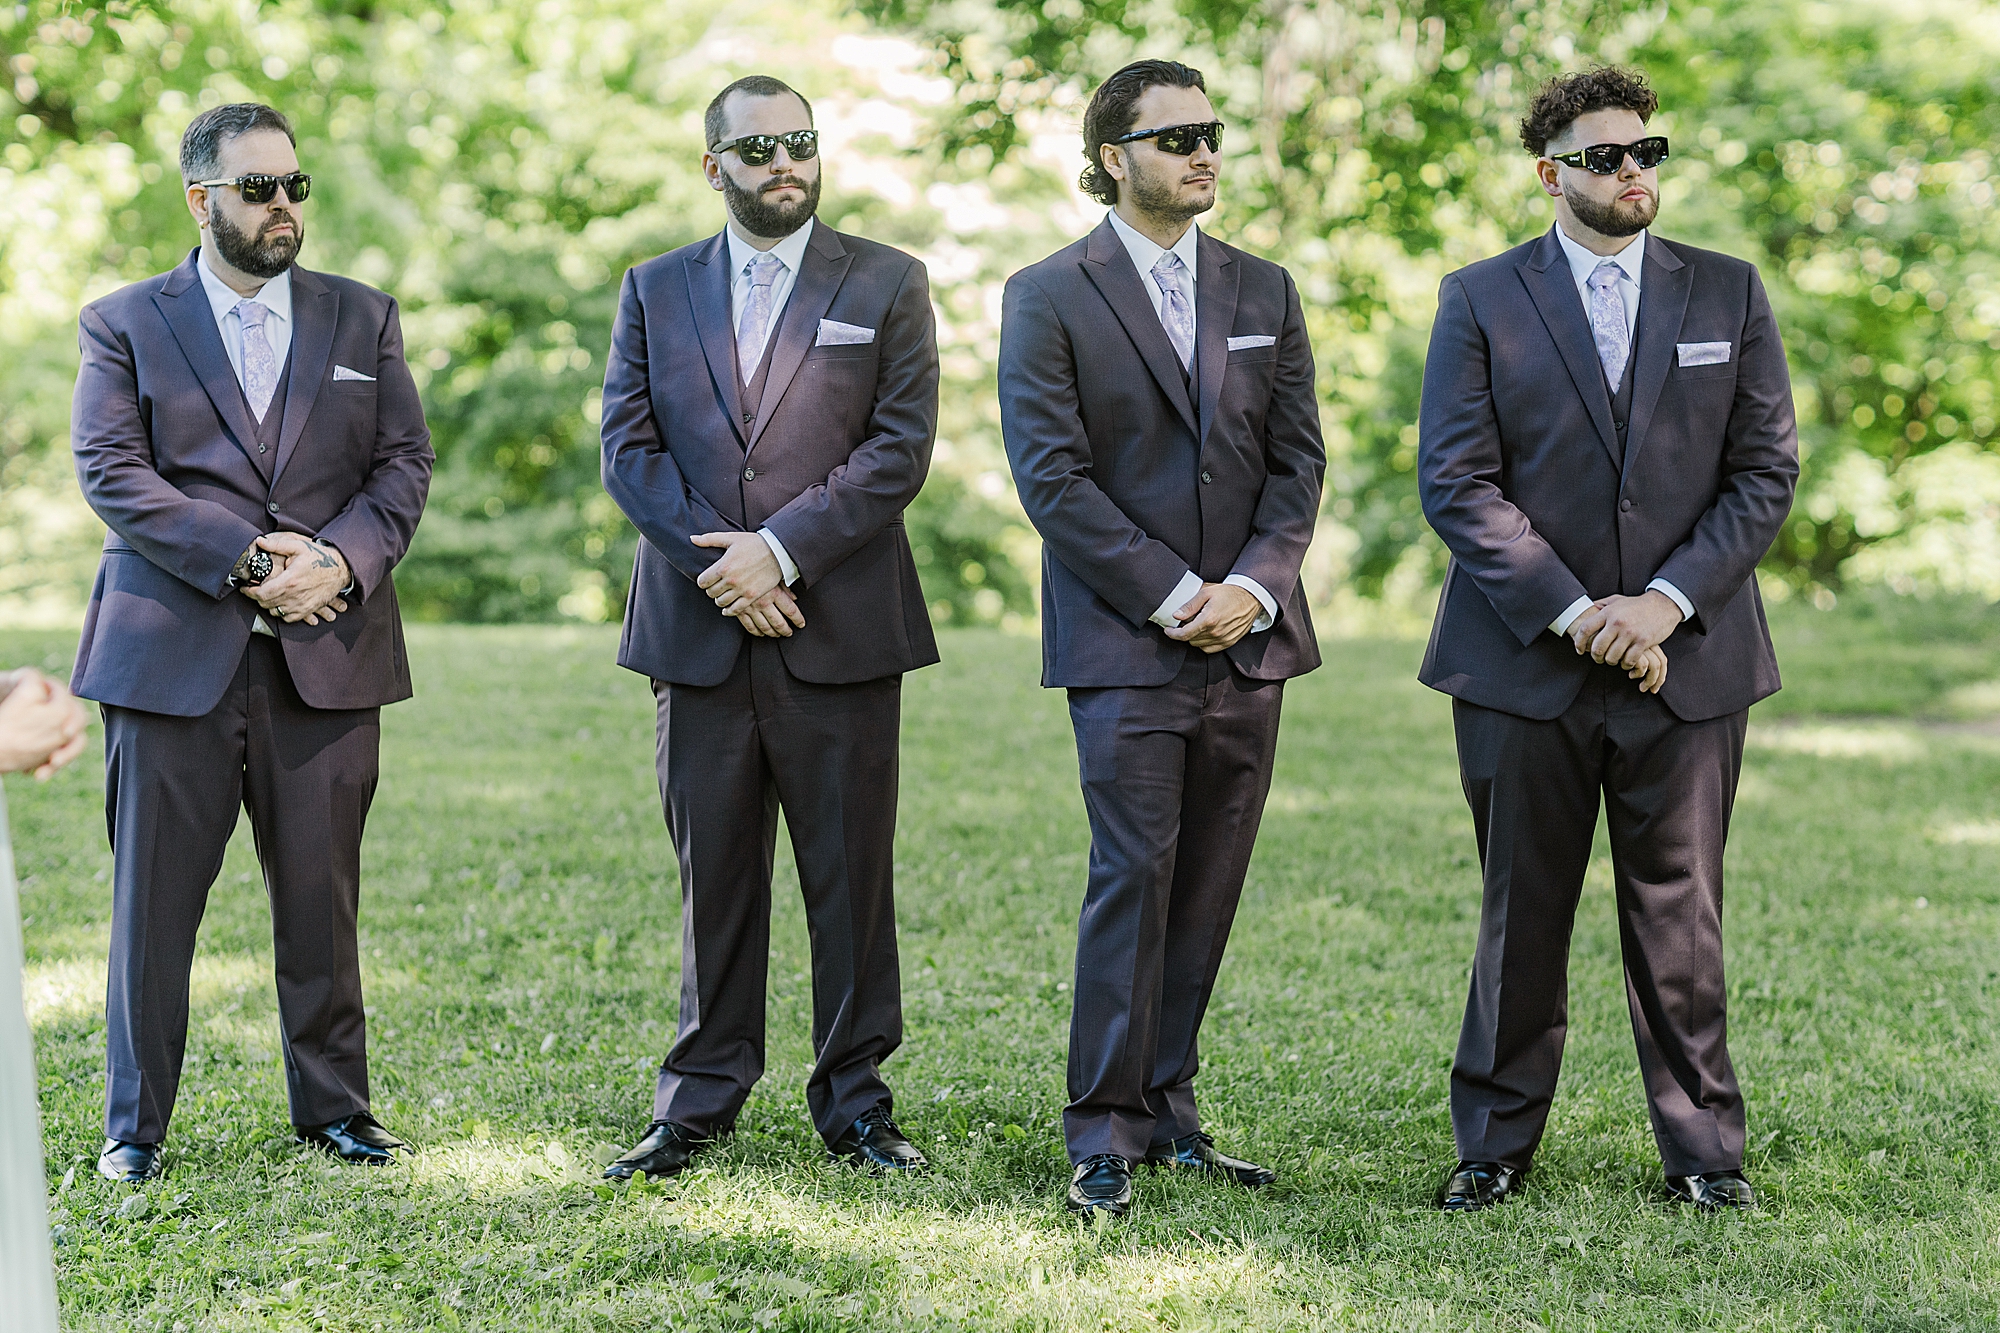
{"x": 1607, "y": 321}
{"x": 1175, "y": 312}
{"x": 260, "y": 366}
{"x": 751, "y": 333}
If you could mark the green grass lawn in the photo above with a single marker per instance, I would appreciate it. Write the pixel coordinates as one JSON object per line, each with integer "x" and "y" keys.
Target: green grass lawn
{"x": 521, "y": 937}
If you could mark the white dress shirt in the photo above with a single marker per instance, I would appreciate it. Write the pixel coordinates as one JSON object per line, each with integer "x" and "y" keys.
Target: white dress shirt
{"x": 1145, "y": 253}
{"x": 275, "y": 296}
{"x": 789, "y": 253}
{"x": 1631, "y": 263}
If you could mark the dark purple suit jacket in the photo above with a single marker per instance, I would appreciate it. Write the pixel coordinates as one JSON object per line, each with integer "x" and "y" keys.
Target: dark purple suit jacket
{"x": 167, "y": 455}
{"x": 1131, "y": 484}
{"x": 839, "y": 448}
{"x": 1520, "y": 472}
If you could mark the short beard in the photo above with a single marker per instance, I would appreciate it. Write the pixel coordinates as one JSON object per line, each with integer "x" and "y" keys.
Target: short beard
{"x": 257, "y": 257}
{"x": 1615, "y": 218}
{"x": 1159, "y": 197}
{"x": 770, "y": 220}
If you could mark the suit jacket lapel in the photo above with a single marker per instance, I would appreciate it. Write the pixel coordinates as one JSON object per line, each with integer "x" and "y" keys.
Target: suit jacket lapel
{"x": 315, "y": 313}
{"x": 1549, "y": 283}
{"x": 1215, "y": 316}
{"x": 184, "y": 305}
{"x": 1663, "y": 300}
{"x": 708, "y": 279}
{"x": 1109, "y": 266}
{"x": 821, "y": 270}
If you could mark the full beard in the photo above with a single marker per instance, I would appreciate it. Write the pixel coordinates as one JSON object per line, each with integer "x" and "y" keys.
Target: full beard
{"x": 258, "y": 257}
{"x": 1159, "y": 197}
{"x": 1616, "y": 218}
{"x": 762, "y": 219}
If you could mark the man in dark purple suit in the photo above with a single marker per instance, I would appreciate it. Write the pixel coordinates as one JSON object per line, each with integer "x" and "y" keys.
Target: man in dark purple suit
{"x": 1607, "y": 448}
{"x": 769, "y": 407}
{"x": 250, "y": 434}
{"x": 1156, "y": 392}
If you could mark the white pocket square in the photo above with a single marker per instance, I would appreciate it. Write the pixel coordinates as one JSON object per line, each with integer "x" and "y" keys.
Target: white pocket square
{"x": 1702, "y": 354}
{"x": 1253, "y": 340}
{"x": 343, "y": 373}
{"x": 833, "y": 333}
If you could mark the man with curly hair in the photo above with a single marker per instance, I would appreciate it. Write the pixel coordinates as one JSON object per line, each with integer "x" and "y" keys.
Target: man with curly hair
{"x": 1607, "y": 447}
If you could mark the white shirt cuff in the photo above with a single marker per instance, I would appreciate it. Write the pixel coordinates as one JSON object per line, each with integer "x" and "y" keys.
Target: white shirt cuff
{"x": 785, "y": 564}
{"x": 1562, "y": 622}
{"x": 1687, "y": 607}
{"x": 1189, "y": 585}
{"x": 1264, "y": 599}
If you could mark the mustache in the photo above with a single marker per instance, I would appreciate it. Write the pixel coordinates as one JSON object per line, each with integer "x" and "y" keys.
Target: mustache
{"x": 783, "y": 182}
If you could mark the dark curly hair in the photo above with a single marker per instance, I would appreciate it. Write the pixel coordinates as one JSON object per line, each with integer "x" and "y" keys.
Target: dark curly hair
{"x": 1111, "y": 110}
{"x": 1563, "y": 99}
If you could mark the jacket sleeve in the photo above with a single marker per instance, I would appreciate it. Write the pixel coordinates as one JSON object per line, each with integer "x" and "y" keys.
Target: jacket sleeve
{"x": 1760, "y": 467}
{"x": 197, "y": 541}
{"x": 1459, "y": 470}
{"x": 373, "y": 531}
{"x": 640, "y": 473}
{"x": 1049, "y": 452}
{"x": 1294, "y": 463}
{"x": 827, "y": 522}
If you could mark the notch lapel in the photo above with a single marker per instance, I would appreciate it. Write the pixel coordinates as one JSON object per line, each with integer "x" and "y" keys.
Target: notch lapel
{"x": 1547, "y": 278}
{"x": 708, "y": 276}
{"x": 315, "y": 314}
{"x": 1663, "y": 301}
{"x": 1109, "y": 267}
{"x": 1215, "y": 316}
{"x": 822, "y": 269}
{"x": 184, "y": 305}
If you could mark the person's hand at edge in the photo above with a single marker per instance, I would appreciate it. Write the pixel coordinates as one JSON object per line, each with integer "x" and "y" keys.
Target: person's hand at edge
{"x": 41, "y": 726}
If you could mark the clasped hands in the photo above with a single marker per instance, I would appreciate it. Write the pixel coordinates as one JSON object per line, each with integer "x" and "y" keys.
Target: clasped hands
{"x": 306, "y": 578}
{"x": 747, "y": 585}
{"x": 1627, "y": 632}
{"x": 1216, "y": 617}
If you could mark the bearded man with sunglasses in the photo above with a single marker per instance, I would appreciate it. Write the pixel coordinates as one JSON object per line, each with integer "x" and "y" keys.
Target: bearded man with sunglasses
{"x": 1156, "y": 394}
{"x": 250, "y": 434}
{"x": 1607, "y": 448}
{"x": 770, "y": 403}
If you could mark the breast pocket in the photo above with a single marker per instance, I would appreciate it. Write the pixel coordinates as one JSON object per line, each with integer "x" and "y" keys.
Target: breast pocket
{"x": 1725, "y": 370}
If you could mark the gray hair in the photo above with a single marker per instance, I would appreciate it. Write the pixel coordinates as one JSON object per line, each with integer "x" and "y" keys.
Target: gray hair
{"x": 201, "y": 145}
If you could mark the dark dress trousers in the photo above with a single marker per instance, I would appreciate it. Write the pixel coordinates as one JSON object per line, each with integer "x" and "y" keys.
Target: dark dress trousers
{"x": 201, "y": 718}
{"x": 825, "y": 446}
{"x": 1546, "y": 486}
{"x": 1136, "y": 472}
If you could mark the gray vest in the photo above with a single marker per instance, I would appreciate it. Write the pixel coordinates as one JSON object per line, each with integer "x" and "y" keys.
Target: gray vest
{"x": 753, "y": 388}
{"x": 273, "y": 424}
{"x": 1621, "y": 395}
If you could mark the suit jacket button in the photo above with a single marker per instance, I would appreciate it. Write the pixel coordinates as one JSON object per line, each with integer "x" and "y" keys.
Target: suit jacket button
{"x": 273, "y": 506}
{"x": 749, "y": 474}
{"x": 263, "y": 448}
{"x": 1205, "y": 479}
{"x": 1624, "y": 506}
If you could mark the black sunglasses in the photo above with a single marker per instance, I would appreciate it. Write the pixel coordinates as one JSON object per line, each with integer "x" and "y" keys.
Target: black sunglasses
{"x": 261, "y": 189}
{"x": 1605, "y": 159}
{"x": 757, "y": 150}
{"x": 1180, "y": 140}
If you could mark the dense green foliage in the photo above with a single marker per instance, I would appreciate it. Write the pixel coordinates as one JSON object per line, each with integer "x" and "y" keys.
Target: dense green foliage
{"x": 497, "y": 165}
{"x": 520, "y": 946}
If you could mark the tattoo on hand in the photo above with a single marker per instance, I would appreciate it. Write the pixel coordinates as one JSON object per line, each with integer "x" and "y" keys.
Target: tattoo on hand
{"x": 323, "y": 558}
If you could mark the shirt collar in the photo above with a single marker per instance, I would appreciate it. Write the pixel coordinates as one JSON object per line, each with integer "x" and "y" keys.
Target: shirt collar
{"x": 1146, "y": 252}
{"x": 1583, "y": 263}
{"x": 275, "y": 295}
{"x": 791, "y": 251}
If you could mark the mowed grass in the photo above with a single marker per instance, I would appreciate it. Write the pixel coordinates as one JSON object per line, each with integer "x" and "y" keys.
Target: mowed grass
{"x": 521, "y": 940}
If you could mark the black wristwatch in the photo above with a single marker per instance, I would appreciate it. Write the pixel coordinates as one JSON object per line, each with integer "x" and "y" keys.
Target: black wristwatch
{"x": 253, "y": 568}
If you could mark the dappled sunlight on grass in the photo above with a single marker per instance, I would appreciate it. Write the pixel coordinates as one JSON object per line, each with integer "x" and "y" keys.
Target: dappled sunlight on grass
{"x": 1889, "y": 744}
{"x": 68, "y": 989}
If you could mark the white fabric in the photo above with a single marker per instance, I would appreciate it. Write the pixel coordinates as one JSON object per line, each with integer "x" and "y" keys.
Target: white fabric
{"x": 275, "y": 296}
{"x": 1145, "y": 253}
{"x": 790, "y": 252}
{"x": 27, "y": 1272}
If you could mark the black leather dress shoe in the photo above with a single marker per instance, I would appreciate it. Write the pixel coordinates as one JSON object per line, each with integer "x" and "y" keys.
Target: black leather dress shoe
{"x": 1713, "y": 1192}
{"x": 129, "y": 1163}
{"x": 1472, "y": 1186}
{"x": 874, "y": 1142}
{"x": 1102, "y": 1186}
{"x": 665, "y": 1151}
{"x": 359, "y": 1138}
{"x": 1197, "y": 1152}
